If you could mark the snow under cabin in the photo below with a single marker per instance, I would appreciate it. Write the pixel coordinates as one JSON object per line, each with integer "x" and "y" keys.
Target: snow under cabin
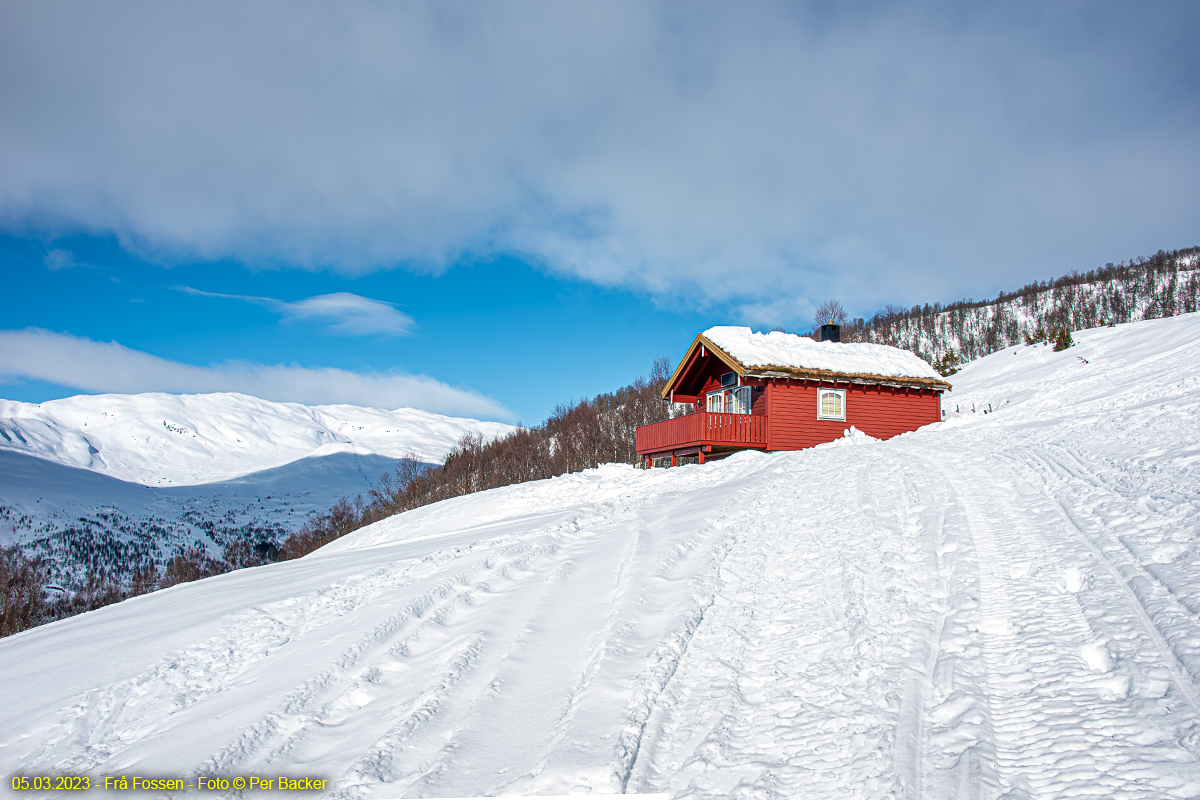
{"x": 780, "y": 391}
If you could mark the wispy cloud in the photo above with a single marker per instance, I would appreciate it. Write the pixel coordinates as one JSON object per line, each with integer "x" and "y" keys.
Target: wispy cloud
{"x": 342, "y": 312}
{"x": 91, "y": 366}
{"x": 59, "y": 259}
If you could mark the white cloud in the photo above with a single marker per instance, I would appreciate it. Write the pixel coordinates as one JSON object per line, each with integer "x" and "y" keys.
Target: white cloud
{"x": 720, "y": 152}
{"x": 349, "y": 314}
{"x": 342, "y": 312}
{"x": 91, "y": 366}
{"x": 59, "y": 259}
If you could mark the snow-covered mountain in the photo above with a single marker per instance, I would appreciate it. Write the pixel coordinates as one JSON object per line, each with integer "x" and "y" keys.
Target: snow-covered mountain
{"x": 1003, "y": 604}
{"x": 82, "y": 521}
{"x": 185, "y": 440}
{"x": 107, "y": 483}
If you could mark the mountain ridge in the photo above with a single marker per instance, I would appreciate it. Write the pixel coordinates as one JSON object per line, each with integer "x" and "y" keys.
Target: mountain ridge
{"x": 158, "y": 439}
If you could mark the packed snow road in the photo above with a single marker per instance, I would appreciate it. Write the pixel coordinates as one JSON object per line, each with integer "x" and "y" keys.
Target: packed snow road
{"x": 1001, "y": 605}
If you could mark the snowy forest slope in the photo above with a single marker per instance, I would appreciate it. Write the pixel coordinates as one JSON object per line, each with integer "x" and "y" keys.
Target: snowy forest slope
{"x": 83, "y": 522}
{"x": 1001, "y": 604}
{"x": 1163, "y": 285}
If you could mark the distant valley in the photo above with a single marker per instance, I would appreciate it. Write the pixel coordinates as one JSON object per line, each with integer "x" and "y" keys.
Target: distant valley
{"x": 107, "y": 483}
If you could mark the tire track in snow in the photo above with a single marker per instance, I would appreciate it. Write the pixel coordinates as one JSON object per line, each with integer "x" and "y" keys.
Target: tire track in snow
{"x": 960, "y": 748}
{"x": 282, "y": 730}
{"x": 1181, "y": 619}
{"x": 1053, "y": 695}
{"x": 782, "y": 692}
{"x": 1005, "y": 634}
{"x": 944, "y": 743}
{"x": 653, "y": 682}
{"x": 658, "y": 722}
{"x": 603, "y": 640}
{"x": 327, "y": 701}
{"x": 381, "y": 763}
{"x": 112, "y": 718}
{"x": 581, "y": 539}
{"x": 1179, "y": 674}
{"x": 621, "y": 515}
{"x": 913, "y": 717}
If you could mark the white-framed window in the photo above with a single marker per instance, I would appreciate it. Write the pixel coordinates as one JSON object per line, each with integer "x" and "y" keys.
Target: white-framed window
{"x": 831, "y": 404}
{"x": 731, "y": 401}
{"x": 741, "y": 400}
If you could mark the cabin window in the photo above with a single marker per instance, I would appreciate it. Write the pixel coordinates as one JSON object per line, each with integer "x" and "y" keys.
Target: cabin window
{"x": 741, "y": 400}
{"x": 831, "y": 404}
{"x": 731, "y": 401}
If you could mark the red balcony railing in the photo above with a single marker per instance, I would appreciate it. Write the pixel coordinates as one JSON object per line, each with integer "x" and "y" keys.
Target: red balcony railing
{"x": 703, "y": 428}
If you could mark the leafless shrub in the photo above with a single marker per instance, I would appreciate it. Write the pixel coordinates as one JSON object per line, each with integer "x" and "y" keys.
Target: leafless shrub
{"x": 830, "y": 311}
{"x": 191, "y": 565}
{"x": 22, "y": 592}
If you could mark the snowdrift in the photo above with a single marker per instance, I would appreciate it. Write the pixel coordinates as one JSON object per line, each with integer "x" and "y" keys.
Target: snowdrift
{"x": 1001, "y": 604}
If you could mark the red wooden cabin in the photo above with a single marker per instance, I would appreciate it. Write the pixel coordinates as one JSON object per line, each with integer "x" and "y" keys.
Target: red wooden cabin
{"x": 780, "y": 391}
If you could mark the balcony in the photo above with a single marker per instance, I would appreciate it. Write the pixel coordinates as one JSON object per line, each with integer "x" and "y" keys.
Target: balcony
{"x": 702, "y": 432}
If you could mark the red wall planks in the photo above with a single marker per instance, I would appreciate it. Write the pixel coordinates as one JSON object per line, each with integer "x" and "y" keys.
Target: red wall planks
{"x": 879, "y": 411}
{"x": 759, "y": 403}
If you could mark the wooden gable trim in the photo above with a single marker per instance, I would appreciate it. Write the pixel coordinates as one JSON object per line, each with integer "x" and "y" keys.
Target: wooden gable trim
{"x": 690, "y": 357}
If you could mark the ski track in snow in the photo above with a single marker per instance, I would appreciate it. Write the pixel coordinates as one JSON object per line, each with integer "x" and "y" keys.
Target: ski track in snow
{"x": 997, "y": 606}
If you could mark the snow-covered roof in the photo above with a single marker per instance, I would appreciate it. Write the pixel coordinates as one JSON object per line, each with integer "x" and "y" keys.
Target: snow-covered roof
{"x": 787, "y": 352}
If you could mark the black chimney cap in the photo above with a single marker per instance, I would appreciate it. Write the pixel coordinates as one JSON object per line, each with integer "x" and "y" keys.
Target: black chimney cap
{"x": 831, "y": 332}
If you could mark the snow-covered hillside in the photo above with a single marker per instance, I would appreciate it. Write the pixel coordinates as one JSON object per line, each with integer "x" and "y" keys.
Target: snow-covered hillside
{"x": 81, "y": 521}
{"x": 184, "y": 440}
{"x": 998, "y": 605}
{"x": 1162, "y": 286}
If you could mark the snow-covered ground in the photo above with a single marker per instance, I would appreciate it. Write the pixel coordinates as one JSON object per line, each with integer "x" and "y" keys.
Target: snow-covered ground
{"x": 999, "y": 605}
{"x": 184, "y": 440}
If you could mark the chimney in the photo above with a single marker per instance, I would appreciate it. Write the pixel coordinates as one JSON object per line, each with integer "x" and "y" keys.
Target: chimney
{"x": 831, "y": 332}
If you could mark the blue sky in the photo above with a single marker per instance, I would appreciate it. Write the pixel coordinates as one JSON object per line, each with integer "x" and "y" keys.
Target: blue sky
{"x": 489, "y": 209}
{"x": 521, "y": 340}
